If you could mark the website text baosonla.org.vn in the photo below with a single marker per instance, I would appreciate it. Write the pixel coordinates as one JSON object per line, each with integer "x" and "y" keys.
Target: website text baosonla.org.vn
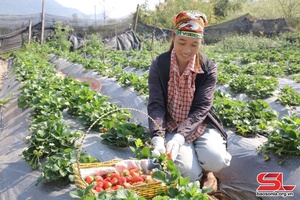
{"x": 274, "y": 194}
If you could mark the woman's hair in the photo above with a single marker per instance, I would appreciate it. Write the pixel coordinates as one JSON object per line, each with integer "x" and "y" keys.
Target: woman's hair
{"x": 171, "y": 45}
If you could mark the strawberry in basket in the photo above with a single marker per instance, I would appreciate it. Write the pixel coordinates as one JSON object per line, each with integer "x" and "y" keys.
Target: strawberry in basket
{"x": 126, "y": 174}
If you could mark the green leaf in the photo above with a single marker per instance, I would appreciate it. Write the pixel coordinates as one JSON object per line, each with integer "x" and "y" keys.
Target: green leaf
{"x": 183, "y": 181}
{"x": 91, "y": 197}
{"x": 40, "y": 178}
{"x": 146, "y": 152}
{"x": 55, "y": 167}
{"x": 63, "y": 172}
{"x": 77, "y": 193}
{"x": 159, "y": 175}
{"x": 88, "y": 189}
{"x": 173, "y": 192}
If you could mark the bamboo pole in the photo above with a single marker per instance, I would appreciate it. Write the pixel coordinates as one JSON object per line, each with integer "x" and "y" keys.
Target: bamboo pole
{"x": 136, "y": 18}
{"x": 43, "y": 22}
{"x": 29, "y": 32}
{"x": 84, "y": 43}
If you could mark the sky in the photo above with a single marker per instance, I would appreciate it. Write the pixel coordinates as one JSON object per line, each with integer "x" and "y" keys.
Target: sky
{"x": 113, "y": 8}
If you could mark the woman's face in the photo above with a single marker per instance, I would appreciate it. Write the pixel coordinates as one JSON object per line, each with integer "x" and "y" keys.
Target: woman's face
{"x": 185, "y": 47}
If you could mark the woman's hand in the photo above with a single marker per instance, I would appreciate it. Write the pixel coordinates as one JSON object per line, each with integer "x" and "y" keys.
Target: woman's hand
{"x": 159, "y": 145}
{"x": 174, "y": 145}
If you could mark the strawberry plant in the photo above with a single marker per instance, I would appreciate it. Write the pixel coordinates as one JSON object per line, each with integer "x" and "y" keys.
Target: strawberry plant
{"x": 124, "y": 135}
{"x": 5, "y": 100}
{"x": 224, "y": 78}
{"x": 230, "y": 69}
{"x": 49, "y": 96}
{"x": 248, "y": 117}
{"x": 284, "y": 140}
{"x": 141, "y": 150}
{"x": 240, "y": 83}
{"x": 59, "y": 166}
{"x": 89, "y": 105}
{"x": 121, "y": 194}
{"x": 292, "y": 68}
{"x": 256, "y": 87}
{"x": 34, "y": 64}
{"x": 48, "y": 138}
{"x": 296, "y": 78}
{"x": 246, "y": 59}
{"x": 60, "y": 36}
{"x": 254, "y": 69}
{"x": 289, "y": 97}
{"x": 273, "y": 70}
{"x": 178, "y": 187}
{"x": 139, "y": 82}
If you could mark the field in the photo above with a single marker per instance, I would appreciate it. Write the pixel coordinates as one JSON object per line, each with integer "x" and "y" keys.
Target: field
{"x": 46, "y": 112}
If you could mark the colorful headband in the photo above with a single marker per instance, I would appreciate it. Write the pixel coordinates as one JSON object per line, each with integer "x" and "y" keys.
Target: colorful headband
{"x": 188, "y": 34}
{"x": 190, "y": 23}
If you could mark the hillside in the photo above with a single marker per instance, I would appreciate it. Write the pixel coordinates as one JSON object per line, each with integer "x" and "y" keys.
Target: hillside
{"x": 25, "y": 7}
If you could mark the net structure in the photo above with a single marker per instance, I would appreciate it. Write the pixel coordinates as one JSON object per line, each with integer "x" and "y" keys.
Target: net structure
{"x": 15, "y": 29}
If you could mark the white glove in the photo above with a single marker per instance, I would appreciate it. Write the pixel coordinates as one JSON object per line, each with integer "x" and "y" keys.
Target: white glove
{"x": 174, "y": 145}
{"x": 159, "y": 145}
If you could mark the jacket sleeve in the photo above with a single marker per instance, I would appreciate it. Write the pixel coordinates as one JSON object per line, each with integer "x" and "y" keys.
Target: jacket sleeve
{"x": 156, "y": 104}
{"x": 202, "y": 103}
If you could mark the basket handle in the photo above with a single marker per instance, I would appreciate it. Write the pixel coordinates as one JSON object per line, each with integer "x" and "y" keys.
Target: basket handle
{"x": 108, "y": 113}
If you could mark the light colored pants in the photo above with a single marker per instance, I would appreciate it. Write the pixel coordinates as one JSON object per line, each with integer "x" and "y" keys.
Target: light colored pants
{"x": 207, "y": 152}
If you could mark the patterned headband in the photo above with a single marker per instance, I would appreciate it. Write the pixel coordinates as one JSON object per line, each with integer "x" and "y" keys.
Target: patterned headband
{"x": 190, "y": 23}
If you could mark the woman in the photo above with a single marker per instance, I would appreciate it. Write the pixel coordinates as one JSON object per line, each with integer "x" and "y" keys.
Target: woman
{"x": 181, "y": 92}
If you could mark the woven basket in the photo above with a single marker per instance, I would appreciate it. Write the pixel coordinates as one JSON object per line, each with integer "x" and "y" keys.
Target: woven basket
{"x": 146, "y": 190}
{"x": 94, "y": 83}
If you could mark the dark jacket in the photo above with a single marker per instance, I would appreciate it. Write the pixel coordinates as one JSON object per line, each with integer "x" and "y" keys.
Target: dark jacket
{"x": 201, "y": 109}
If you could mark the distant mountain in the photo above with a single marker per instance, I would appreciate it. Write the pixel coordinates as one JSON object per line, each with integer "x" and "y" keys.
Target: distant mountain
{"x": 25, "y": 7}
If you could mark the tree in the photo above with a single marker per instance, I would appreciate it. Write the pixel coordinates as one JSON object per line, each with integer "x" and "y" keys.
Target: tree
{"x": 272, "y": 9}
{"x": 221, "y": 8}
{"x": 290, "y": 8}
{"x": 225, "y": 8}
{"x": 165, "y": 11}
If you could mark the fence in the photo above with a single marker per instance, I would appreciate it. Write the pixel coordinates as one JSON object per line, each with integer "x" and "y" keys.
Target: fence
{"x": 15, "y": 29}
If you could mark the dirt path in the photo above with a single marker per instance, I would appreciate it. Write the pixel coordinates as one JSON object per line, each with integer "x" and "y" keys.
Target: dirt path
{"x": 3, "y": 70}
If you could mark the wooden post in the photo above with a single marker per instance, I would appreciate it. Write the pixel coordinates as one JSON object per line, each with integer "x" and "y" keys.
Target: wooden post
{"x": 136, "y": 18}
{"x": 268, "y": 53}
{"x": 43, "y": 22}
{"x": 95, "y": 17}
{"x": 84, "y": 43}
{"x": 29, "y": 32}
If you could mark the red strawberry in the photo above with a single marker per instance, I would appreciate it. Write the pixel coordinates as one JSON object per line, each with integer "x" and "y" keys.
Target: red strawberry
{"x": 114, "y": 181}
{"x": 89, "y": 179}
{"x": 99, "y": 189}
{"x": 137, "y": 178}
{"x": 122, "y": 180}
{"x": 106, "y": 184}
{"x": 98, "y": 178}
